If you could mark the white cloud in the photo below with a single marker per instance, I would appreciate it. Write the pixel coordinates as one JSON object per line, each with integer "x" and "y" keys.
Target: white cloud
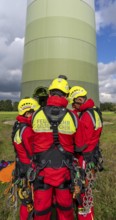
{"x": 106, "y": 15}
{"x": 107, "y": 81}
{"x": 12, "y": 28}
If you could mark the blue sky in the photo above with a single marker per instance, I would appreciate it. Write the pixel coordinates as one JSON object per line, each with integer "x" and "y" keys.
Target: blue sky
{"x": 106, "y": 48}
{"x": 12, "y": 29}
{"x": 106, "y": 30}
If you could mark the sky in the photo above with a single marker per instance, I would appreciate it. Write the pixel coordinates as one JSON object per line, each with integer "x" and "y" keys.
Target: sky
{"x": 12, "y": 31}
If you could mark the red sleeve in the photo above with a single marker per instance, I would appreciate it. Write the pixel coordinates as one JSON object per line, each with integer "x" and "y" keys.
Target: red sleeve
{"x": 80, "y": 138}
{"x": 27, "y": 138}
{"x": 88, "y": 127}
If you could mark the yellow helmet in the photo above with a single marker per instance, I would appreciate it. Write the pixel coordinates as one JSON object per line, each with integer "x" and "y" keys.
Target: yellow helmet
{"x": 60, "y": 84}
{"x": 26, "y": 105}
{"x": 75, "y": 92}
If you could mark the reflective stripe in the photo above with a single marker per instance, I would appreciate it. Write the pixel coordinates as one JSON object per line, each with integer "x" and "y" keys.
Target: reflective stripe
{"x": 22, "y": 130}
{"x": 41, "y": 124}
{"x": 92, "y": 118}
{"x": 96, "y": 121}
{"x": 17, "y": 138}
{"x": 18, "y": 135}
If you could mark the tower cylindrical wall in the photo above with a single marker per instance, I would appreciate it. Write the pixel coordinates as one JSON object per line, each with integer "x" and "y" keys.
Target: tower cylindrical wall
{"x": 60, "y": 39}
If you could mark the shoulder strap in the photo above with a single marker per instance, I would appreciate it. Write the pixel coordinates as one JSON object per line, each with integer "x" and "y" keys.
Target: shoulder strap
{"x": 55, "y": 115}
{"x": 92, "y": 115}
{"x": 34, "y": 114}
{"x": 18, "y": 126}
{"x": 15, "y": 128}
{"x": 21, "y": 127}
{"x": 73, "y": 116}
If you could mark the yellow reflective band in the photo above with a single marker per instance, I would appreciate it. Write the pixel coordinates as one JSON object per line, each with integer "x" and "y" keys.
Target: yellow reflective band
{"x": 17, "y": 138}
{"x": 67, "y": 125}
{"x": 40, "y": 123}
{"x": 98, "y": 123}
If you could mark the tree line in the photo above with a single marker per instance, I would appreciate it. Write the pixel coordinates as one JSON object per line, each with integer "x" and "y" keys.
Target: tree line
{"x": 9, "y": 105}
{"x": 108, "y": 106}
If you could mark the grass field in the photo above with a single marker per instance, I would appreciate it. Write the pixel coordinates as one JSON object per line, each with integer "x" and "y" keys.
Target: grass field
{"x": 105, "y": 188}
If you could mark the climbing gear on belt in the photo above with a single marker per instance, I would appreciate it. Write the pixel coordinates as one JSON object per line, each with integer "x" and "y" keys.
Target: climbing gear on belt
{"x": 94, "y": 158}
{"x": 17, "y": 132}
{"x": 22, "y": 189}
{"x": 78, "y": 184}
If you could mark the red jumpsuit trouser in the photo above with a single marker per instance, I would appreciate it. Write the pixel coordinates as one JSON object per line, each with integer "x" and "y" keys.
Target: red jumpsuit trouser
{"x": 43, "y": 199}
{"x": 24, "y": 212}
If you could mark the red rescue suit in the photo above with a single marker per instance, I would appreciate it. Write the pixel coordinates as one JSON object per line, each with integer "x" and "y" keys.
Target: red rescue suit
{"x": 54, "y": 181}
{"x": 23, "y": 141}
{"x": 92, "y": 135}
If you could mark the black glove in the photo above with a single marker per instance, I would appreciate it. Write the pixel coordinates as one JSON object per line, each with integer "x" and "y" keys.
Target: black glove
{"x": 21, "y": 169}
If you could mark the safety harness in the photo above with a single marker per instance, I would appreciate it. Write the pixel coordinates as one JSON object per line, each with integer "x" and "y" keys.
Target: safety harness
{"x": 20, "y": 184}
{"x": 95, "y": 156}
{"x": 55, "y": 157}
{"x": 85, "y": 176}
{"x": 21, "y": 127}
{"x": 18, "y": 126}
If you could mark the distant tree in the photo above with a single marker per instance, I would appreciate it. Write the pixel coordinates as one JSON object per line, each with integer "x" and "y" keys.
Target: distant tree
{"x": 107, "y": 106}
{"x": 8, "y": 105}
{"x": 15, "y": 106}
{"x": 2, "y": 108}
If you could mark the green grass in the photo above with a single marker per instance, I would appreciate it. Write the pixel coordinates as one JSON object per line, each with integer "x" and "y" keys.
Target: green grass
{"x": 6, "y": 153}
{"x": 104, "y": 192}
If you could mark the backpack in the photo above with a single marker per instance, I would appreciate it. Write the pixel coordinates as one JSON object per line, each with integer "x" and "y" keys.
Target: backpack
{"x": 17, "y": 126}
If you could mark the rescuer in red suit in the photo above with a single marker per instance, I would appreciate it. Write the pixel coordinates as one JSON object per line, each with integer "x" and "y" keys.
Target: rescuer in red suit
{"x": 89, "y": 159}
{"x": 56, "y": 130}
{"x": 22, "y": 137}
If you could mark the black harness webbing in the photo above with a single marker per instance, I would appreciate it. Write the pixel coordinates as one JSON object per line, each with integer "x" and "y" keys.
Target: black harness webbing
{"x": 21, "y": 127}
{"x": 55, "y": 115}
{"x": 44, "y": 212}
{"x": 55, "y": 156}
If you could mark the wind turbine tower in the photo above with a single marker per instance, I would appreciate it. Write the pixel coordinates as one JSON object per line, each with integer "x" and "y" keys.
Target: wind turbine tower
{"x": 60, "y": 39}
